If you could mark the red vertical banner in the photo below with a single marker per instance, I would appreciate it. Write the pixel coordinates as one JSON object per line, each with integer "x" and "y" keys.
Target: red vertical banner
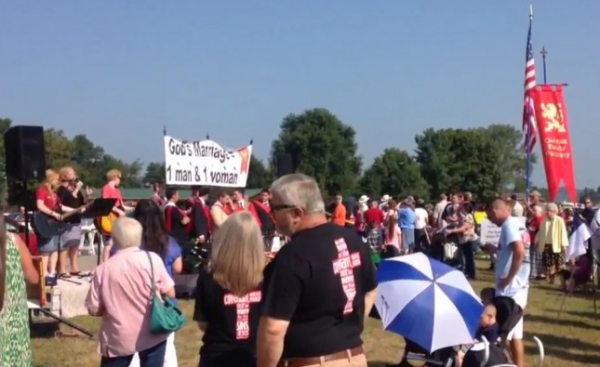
{"x": 553, "y": 127}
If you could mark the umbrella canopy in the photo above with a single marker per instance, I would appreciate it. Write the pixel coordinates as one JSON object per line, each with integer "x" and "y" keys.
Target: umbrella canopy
{"x": 426, "y": 301}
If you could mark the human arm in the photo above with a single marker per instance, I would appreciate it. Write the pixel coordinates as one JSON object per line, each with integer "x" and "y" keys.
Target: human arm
{"x": 29, "y": 271}
{"x": 202, "y": 301}
{"x": 369, "y": 275}
{"x": 514, "y": 238}
{"x": 564, "y": 236}
{"x": 40, "y": 197}
{"x": 164, "y": 282}
{"x": 178, "y": 265}
{"x": 269, "y": 345}
{"x": 93, "y": 301}
{"x": 283, "y": 291}
{"x": 77, "y": 189}
{"x": 175, "y": 253}
{"x": 515, "y": 266}
{"x": 177, "y": 216}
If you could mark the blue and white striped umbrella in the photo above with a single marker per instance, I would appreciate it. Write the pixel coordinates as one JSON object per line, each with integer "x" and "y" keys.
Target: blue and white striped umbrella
{"x": 426, "y": 301}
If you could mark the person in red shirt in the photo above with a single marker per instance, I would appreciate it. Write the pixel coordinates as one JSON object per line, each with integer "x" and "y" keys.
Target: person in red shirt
{"x": 111, "y": 191}
{"x": 374, "y": 214}
{"x": 373, "y": 218}
{"x": 47, "y": 203}
{"x": 158, "y": 194}
{"x": 177, "y": 221}
{"x": 534, "y": 222}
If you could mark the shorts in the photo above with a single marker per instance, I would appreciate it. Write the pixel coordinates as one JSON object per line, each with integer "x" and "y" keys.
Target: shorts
{"x": 47, "y": 246}
{"x": 521, "y": 299}
{"x": 408, "y": 239}
{"x": 71, "y": 236}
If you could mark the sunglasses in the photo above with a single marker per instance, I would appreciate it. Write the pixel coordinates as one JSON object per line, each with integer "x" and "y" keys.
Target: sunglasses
{"x": 280, "y": 207}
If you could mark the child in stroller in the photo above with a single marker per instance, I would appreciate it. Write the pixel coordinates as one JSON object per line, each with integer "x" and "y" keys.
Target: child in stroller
{"x": 500, "y": 316}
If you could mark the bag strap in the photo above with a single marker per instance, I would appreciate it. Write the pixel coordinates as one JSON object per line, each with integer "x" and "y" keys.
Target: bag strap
{"x": 153, "y": 291}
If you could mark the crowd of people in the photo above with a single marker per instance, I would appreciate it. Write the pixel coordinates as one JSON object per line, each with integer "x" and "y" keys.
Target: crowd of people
{"x": 304, "y": 307}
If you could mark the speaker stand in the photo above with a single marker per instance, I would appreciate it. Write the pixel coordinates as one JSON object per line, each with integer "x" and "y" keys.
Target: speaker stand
{"x": 27, "y": 241}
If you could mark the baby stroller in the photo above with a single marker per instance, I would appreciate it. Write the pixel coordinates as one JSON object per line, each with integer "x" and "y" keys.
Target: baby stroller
{"x": 444, "y": 247}
{"x": 482, "y": 354}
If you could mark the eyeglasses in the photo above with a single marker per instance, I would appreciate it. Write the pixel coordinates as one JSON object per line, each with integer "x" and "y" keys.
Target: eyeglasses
{"x": 280, "y": 207}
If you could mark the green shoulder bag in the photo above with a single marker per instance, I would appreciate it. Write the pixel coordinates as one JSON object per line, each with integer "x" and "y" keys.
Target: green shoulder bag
{"x": 165, "y": 317}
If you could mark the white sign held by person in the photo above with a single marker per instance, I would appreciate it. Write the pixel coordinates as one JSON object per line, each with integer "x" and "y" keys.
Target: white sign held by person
{"x": 490, "y": 233}
{"x": 205, "y": 163}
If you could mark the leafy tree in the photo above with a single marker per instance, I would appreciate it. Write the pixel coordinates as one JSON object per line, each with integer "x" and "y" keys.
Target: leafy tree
{"x": 394, "y": 172}
{"x": 321, "y": 146}
{"x": 58, "y": 149}
{"x": 155, "y": 172}
{"x": 458, "y": 159}
{"x": 586, "y": 193}
{"x": 4, "y": 125}
{"x": 259, "y": 176}
{"x": 512, "y": 159}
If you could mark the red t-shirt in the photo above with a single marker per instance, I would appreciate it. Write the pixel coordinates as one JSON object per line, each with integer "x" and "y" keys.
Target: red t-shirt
{"x": 534, "y": 225}
{"x": 109, "y": 192}
{"x": 374, "y": 215}
{"x": 49, "y": 197}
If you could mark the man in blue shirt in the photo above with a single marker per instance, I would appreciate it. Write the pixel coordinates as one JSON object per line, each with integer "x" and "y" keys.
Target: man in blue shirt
{"x": 512, "y": 267}
{"x": 406, "y": 221}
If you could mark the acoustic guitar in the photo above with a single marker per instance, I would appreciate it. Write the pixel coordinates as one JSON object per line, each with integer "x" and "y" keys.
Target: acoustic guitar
{"x": 104, "y": 224}
{"x": 47, "y": 227}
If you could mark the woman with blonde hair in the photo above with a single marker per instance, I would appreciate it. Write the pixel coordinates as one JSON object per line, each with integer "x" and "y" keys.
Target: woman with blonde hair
{"x": 47, "y": 203}
{"x": 552, "y": 241}
{"x": 71, "y": 196}
{"x": 229, "y": 292}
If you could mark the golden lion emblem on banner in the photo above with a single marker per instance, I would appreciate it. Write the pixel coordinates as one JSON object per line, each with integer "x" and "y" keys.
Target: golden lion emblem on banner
{"x": 552, "y": 115}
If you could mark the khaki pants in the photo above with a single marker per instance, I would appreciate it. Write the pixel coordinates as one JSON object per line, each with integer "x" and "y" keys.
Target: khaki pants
{"x": 356, "y": 361}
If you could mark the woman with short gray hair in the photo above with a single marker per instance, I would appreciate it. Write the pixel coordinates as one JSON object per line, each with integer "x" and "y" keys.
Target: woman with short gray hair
{"x": 552, "y": 241}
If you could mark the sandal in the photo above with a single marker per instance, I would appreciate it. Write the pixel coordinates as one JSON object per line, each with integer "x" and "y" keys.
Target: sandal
{"x": 75, "y": 273}
{"x": 64, "y": 275}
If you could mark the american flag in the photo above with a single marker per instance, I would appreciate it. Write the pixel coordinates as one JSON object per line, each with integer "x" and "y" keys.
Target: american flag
{"x": 529, "y": 119}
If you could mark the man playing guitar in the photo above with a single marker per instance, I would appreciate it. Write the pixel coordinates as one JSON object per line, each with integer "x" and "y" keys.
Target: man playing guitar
{"x": 111, "y": 191}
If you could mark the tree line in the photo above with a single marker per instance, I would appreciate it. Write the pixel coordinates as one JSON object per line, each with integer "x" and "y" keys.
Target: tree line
{"x": 484, "y": 160}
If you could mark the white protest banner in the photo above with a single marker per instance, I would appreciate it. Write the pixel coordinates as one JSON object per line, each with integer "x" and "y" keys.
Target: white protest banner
{"x": 205, "y": 163}
{"x": 490, "y": 233}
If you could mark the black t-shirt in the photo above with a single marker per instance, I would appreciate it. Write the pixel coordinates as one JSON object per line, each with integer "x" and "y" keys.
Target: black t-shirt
{"x": 67, "y": 199}
{"x": 588, "y": 215}
{"x": 173, "y": 222}
{"x": 448, "y": 211}
{"x": 232, "y": 321}
{"x": 318, "y": 282}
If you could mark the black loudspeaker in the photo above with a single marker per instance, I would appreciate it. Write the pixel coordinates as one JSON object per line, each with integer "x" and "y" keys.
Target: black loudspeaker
{"x": 285, "y": 165}
{"x": 25, "y": 153}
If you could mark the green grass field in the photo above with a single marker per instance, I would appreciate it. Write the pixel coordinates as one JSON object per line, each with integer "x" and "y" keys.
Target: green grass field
{"x": 573, "y": 340}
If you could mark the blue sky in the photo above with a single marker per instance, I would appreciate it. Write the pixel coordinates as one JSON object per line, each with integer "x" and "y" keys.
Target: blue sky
{"x": 118, "y": 71}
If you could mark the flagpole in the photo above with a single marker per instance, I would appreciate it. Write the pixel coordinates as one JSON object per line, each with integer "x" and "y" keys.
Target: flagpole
{"x": 544, "y": 53}
{"x": 528, "y": 167}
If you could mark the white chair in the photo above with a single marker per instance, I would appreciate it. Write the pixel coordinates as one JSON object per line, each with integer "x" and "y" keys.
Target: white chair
{"x": 86, "y": 243}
